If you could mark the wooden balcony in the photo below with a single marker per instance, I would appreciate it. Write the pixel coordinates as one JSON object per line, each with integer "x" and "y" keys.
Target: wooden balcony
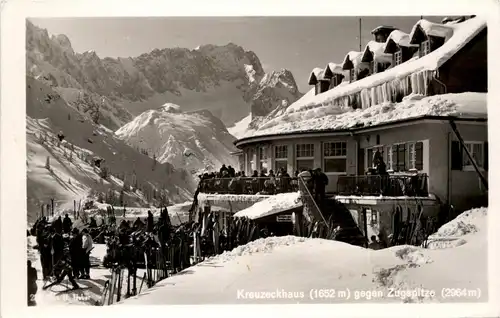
{"x": 411, "y": 185}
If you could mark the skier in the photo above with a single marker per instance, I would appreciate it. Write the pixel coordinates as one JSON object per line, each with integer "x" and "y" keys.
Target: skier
{"x": 150, "y": 223}
{"x": 138, "y": 224}
{"x": 87, "y": 245}
{"x": 321, "y": 181}
{"x": 32, "y": 286}
{"x": 57, "y": 246}
{"x": 58, "y": 225}
{"x": 64, "y": 269}
{"x": 76, "y": 253}
{"x": 44, "y": 247}
{"x": 67, "y": 224}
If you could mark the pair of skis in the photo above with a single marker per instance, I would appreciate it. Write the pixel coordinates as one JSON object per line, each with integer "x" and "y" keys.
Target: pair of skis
{"x": 113, "y": 286}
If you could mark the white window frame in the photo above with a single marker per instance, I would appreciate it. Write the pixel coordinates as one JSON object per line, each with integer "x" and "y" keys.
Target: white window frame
{"x": 352, "y": 75}
{"x": 470, "y": 167}
{"x": 263, "y": 159}
{"x": 281, "y": 159}
{"x": 252, "y": 160}
{"x": 342, "y": 156}
{"x": 398, "y": 57}
{"x": 425, "y": 48}
{"x": 372, "y": 67}
{"x": 298, "y": 158}
{"x": 410, "y": 156}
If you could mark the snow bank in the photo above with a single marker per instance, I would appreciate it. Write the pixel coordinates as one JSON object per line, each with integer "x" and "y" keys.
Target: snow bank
{"x": 412, "y": 106}
{"x": 455, "y": 232}
{"x": 280, "y": 264}
{"x": 262, "y": 245}
{"x": 273, "y": 205}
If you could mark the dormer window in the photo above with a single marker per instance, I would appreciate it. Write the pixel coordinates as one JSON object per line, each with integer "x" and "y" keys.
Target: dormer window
{"x": 352, "y": 75}
{"x": 398, "y": 57}
{"x": 372, "y": 67}
{"x": 425, "y": 48}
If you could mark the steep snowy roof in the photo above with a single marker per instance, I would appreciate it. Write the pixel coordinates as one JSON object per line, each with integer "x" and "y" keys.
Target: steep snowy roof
{"x": 329, "y": 117}
{"x": 399, "y": 37}
{"x": 335, "y": 68}
{"x": 434, "y": 29}
{"x": 383, "y": 27}
{"x": 462, "y": 34}
{"x": 316, "y": 74}
{"x": 377, "y": 49}
{"x": 353, "y": 57}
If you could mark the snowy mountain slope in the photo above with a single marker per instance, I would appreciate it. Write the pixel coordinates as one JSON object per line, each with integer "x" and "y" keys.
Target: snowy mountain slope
{"x": 194, "y": 141}
{"x": 288, "y": 268}
{"x": 48, "y": 114}
{"x": 239, "y": 128}
{"x": 226, "y": 80}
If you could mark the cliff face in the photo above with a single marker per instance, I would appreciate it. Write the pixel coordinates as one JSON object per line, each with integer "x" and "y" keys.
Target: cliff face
{"x": 226, "y": 80}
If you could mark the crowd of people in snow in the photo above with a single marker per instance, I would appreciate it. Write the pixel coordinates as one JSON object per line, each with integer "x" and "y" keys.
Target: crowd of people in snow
{"x": 64, "y": 251}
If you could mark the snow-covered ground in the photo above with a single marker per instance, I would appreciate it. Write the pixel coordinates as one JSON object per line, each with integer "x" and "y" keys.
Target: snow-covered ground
{"x": 297, "y": 270}
{"x": 272, "y": 205}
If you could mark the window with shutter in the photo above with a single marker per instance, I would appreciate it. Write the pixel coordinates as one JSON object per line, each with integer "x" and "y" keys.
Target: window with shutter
{"x": 476, "y": 149}
{"x": 352, "y": 74}
{"x": 485, "y": 156}
{"x": 395, "y": 158}
{"x": 401, "y": 162}
{"x": 419, "y": 155}
{"x": 456, "y": 155}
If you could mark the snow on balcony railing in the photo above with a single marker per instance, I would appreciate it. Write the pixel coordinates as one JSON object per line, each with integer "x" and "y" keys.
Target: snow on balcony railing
{"x": 249, "y": 185}
{"x": 389, "y": 185}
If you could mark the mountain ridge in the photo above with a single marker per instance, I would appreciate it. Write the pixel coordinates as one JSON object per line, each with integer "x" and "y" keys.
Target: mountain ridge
{"x": 226, "y": 79}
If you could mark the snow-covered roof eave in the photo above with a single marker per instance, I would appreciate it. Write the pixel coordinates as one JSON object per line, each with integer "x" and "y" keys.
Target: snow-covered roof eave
{"x": 464, "y": 33}
{"x": 336, "y": 68}
{"x": 433, "y": 29}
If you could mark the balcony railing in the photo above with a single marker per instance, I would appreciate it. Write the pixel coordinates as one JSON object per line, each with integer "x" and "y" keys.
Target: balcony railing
{"x": 389, "y": 185}
{"x": 249, "y": 185}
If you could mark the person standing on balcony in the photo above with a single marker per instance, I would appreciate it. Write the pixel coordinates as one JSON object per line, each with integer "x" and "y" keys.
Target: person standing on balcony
{"x": 231, "y": 171}
{"x": 320, "y": 183}
{"x": 222, "y": 169}
{"x": 381, "y": 170}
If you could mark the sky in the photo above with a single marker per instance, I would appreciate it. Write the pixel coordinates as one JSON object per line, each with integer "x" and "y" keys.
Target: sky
{"x": 298, "y": 44}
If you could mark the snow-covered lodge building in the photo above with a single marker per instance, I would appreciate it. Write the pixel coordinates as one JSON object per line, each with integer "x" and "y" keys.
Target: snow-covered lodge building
{"x": 418, "y": 98}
